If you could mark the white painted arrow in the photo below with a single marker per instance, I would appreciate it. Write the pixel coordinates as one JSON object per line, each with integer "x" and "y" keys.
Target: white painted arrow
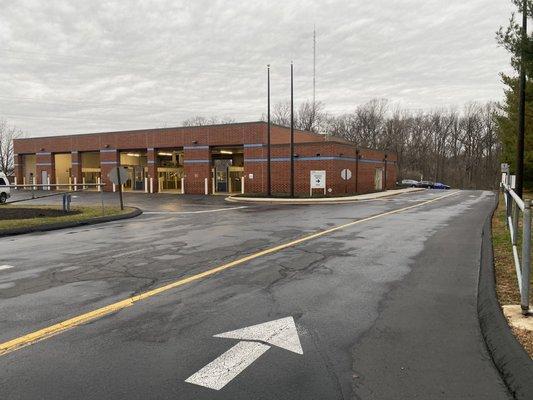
{"x": 255, "y": 340}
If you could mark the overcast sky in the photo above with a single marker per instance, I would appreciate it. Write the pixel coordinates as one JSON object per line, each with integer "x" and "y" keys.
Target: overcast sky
{"x": 84, "y": 66}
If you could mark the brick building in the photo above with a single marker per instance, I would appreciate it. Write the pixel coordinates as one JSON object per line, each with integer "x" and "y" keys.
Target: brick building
{"x": 196, "y": 160}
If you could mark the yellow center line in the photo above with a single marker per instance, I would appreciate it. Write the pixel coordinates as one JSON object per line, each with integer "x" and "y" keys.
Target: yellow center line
{"x": 70, "y": 323}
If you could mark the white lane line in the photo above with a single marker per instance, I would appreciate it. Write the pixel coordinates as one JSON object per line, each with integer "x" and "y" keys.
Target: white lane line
{"x": 192, "y": 212}
{"x": 2, "y": 267}
{"x": 219, "y": 372}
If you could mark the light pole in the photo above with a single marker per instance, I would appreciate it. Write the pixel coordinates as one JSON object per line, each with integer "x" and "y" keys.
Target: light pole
{"x": 357, "y": 157}
{"x": 269, "y": 186}
{"x": 385, "y": 172}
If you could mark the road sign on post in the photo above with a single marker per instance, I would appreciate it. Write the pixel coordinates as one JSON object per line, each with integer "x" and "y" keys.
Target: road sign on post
{"x": 118, "y": 175}
{"x": 346, "y": 175}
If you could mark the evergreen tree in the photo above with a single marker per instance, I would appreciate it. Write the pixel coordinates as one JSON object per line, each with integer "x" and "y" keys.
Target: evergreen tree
{"x": 507, "y": 120}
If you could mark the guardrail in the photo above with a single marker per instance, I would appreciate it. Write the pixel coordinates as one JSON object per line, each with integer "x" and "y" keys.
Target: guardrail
{"x": 65, "y": 190}
{"x": 70, "y": 187}
{"x": 514, "y": 205}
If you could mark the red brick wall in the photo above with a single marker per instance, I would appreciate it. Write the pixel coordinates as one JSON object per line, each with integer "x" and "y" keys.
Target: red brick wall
{"x": 314, "y": 152}
{"x": 19, "y": 168}
{"x": 76, "y": 166}
{"x": 44, "y": 162}
{"x": 331, "y": 157}
{"x": 109, "y": 159}
{"x": 214, "y": 135}
{"x": 197, "y": 168}
{"x": 152, "y": 170}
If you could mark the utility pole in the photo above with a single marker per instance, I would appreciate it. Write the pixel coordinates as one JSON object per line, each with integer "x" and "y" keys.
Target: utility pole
{"x": 385, "y": 173}
{"x": 269, "y": 186}
{"x": 357, "y": 157}
{"x": 521, "y": 107}
{"x": 292, "y": 130}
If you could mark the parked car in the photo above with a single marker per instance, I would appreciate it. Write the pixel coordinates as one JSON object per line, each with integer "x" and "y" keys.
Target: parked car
{"x": 5, "y": 192}
{"x": 425, "y": 184}
{"x": 408, "y": 183}
{"x": 440, "y": 185}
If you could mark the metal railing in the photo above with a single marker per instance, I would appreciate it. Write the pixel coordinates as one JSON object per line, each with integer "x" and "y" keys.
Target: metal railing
{"x": 514, "y": 205}
{"x": 63, "y": 188}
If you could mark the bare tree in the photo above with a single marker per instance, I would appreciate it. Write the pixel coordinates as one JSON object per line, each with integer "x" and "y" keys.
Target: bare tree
{"x": 201, "y": 121}
{"x": 281, "y": 114}
{"x": 311, "y": 117}
{"x": 7, "y": 134}
{"x": 307, "y": 116}
{"x": 370, "y": 122}
{"x": 365, "y": 126}
{"x": 461, "y": 149}
{"x": 396, "y": 138}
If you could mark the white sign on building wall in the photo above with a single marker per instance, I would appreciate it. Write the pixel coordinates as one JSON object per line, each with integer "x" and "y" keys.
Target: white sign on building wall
{"x": 318, "y": 181}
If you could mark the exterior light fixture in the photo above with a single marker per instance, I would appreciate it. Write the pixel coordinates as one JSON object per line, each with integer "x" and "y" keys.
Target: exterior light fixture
{"x": 195, "y": 142}
{"x": 226, "y": 152}
{"x": 161, "y": 153}
{"x": 133, "y": 154}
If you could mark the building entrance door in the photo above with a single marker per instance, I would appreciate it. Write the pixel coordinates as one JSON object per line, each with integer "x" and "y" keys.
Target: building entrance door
{"x": 221, "y": 175}
{"x": 378, "y": 179}
{"x": 235, "y": 179}
{"x": 138, "y": 177}
{"x": 222, "y": 181}
{"x": 44, "y": 177}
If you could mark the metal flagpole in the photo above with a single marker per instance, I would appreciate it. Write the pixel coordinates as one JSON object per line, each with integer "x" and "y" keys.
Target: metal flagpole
{"x": 292, "y": 130}
{"x": 269, "y": 183}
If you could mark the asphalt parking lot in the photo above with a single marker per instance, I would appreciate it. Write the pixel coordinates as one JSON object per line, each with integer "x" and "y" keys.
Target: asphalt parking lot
{"x": 370, "y": 300}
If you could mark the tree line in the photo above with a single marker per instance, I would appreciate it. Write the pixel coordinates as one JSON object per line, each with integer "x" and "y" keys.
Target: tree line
{"x": 460, "y": 148}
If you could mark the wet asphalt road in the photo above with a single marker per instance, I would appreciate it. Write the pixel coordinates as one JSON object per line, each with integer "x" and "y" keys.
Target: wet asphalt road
{"x": 385, "y": 309}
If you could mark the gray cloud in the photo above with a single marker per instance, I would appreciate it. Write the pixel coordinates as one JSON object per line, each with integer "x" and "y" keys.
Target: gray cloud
{"x": 81, "y": 66}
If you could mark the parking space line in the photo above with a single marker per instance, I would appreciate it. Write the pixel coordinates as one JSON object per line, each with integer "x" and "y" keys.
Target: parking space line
{"x": 52, "y": 330}
{"x": 192, "y": 212}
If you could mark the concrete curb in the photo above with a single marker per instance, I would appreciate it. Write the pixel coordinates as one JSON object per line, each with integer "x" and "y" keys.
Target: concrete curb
{"x": 322, "y": 200}
{"x": 511, "y": 360}
{"x": 62, "y": 225}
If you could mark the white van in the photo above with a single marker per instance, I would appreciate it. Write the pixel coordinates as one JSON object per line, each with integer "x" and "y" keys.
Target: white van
{"x": 5, "y": 192}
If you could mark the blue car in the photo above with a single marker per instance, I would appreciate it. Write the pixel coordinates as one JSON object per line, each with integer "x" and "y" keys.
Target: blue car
{"x": 439, "y": 185}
